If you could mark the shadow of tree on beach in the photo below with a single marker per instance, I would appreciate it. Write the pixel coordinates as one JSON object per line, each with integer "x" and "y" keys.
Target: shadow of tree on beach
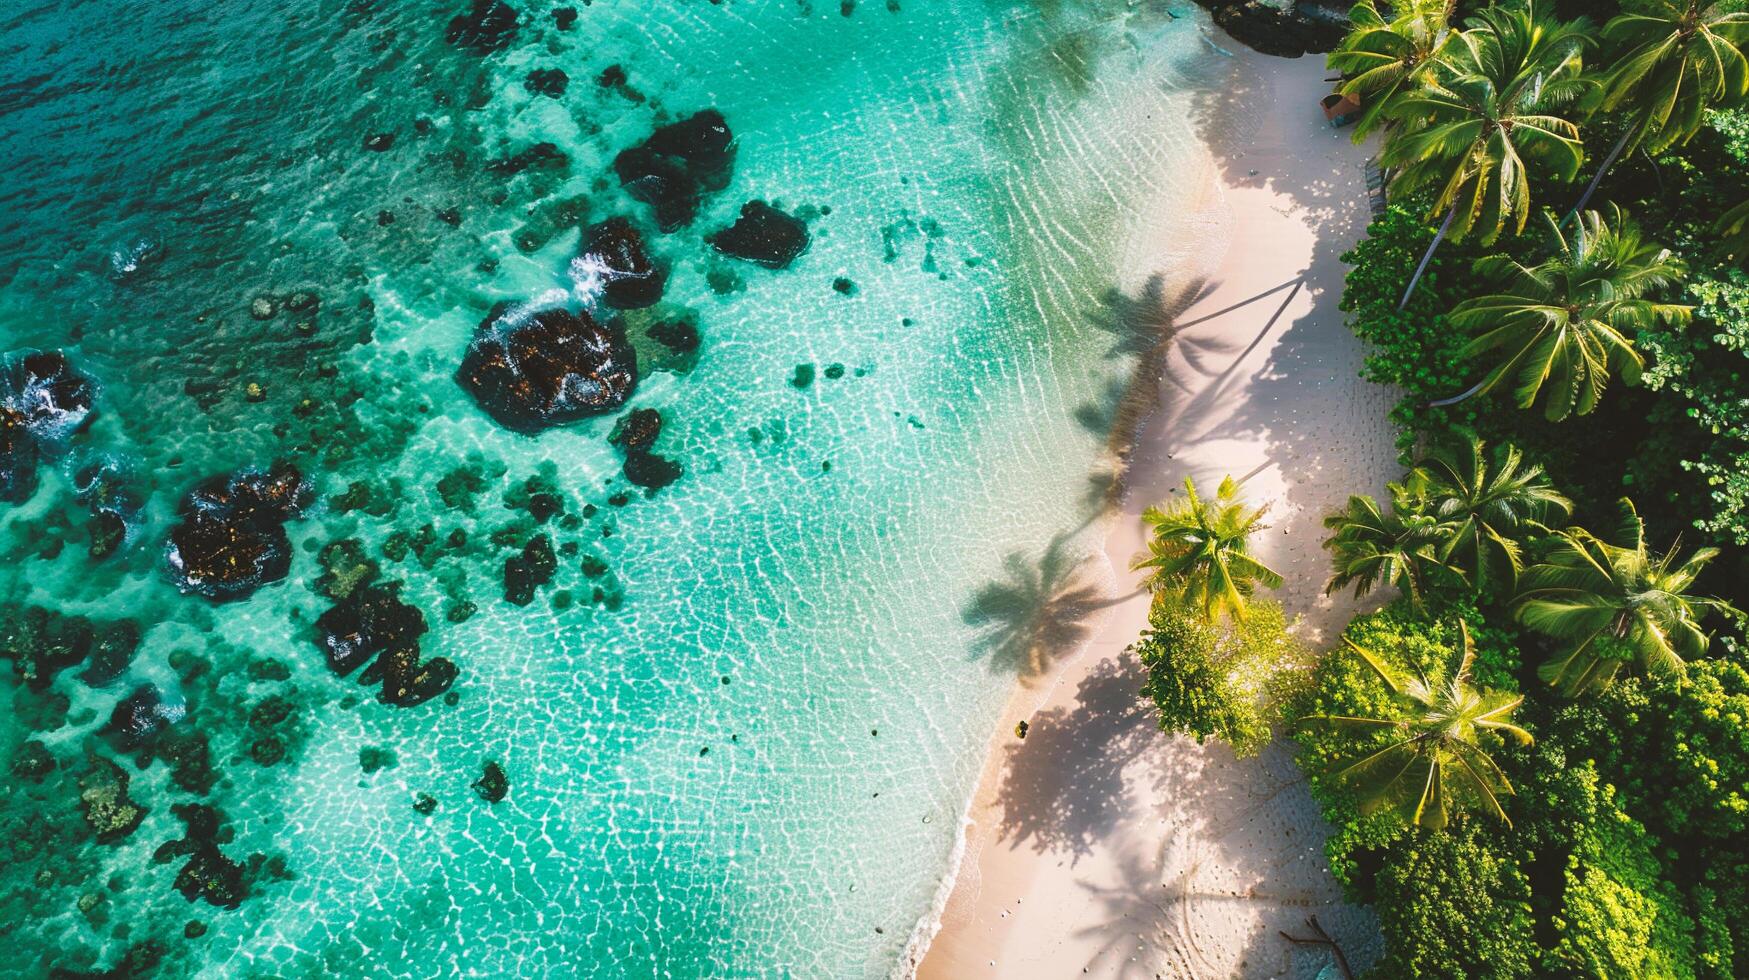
{"x": 1038, "y": 611}
{"x": 1064, "y": 788}
{"x": 1134, "y": 924}
{"x": 1138, "y": 324}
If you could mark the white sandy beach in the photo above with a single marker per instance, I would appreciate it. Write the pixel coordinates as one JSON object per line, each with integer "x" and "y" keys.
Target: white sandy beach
{"x": 1099, "y": 846}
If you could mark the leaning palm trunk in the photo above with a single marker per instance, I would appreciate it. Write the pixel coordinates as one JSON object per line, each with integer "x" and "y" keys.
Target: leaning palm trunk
{"x": 1438, "y": 237}
{"x": 1608, "y": 161}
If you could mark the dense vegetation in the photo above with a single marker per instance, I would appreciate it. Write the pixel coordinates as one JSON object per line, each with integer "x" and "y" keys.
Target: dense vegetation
{"x": 1535, "y": 757}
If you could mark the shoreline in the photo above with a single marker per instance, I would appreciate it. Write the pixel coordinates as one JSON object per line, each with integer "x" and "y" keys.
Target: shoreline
{"x": 1259, "y": 379}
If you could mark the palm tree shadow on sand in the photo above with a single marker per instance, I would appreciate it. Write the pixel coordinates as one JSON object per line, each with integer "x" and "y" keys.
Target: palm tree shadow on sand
{"x": 1068, "y": 808}
{"x": 1039, "y": 611}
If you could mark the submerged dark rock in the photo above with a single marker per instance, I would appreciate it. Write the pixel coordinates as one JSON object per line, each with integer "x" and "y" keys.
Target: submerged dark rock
{"x": 679, "y": 336}
{"x": 367, "y": 621}
{"x": 548, "y": 369}
{"x": 546, "y": 156}
{"x": 493, "y": 784}
{"x": 614, "y": 250}
{"x": 564, "y": 18}
{"x": 18, "y": 457}
{"x": 638, "y": 430}
{"x": 550, "y": 82}
{"x": 208, "y": 873}
{"x": 32, "y": 762}
{"x": 635, "y": 435}
{"x": 763, "y": 235}
{"x": 114, "y": 648}
{"x": 1289, "y": 32}
{"x": 371, "y": 625}
{"x": 141, "y": 715}
{"x": 678, "y": 163}
{"x": 533, "y": 568}
{"x": 488, "y": 26}
{"x": 108, "y": 530}
{"x": 650, "y": 471}
{"x": 43, "y": 401}
{"x": 408, "y": 681}
{"x": 232, "y": 537}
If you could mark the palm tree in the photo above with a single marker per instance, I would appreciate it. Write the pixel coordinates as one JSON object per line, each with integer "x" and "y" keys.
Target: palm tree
{"x": 1485, "y": 506}
{"x": 1373, "y": 547}
{"x": 1567, "y": 323}
{"x": 1472, "y": 130}
{"x": 1433, "y": 763}
{"x": 1682, "y": 58}
{"x": 1612, "y": 603}
{"x": 1733, "y": 226}
{"x": 1200, "y": 553}
{"x": 1382, "y": 60}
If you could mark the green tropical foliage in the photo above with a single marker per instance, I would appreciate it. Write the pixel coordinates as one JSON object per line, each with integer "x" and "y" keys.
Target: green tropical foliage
{"x": 1733, "y": 229}
{"x": 1371, "y": 546}
{"x": 1613, "y": 603}
{"x": 1454, "y": 904}
{"x": 1681, "y": 58}
{"x": 1486, "y": 506}
{"x": 1477, "y": 126}
{"x": 1210, "y": 681}
{"x": 1433, "y": 760}
{"x": 1199, "y": 552}
{"x": 1565, "y": 324}
{"x": 1627, "y": 854}
{"x": 1383, "y": 60}
{"x": 1678, "y": 58}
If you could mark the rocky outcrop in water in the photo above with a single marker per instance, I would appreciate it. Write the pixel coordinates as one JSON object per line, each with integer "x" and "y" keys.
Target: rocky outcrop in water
{"x": 364, "y": 623}
{"x": 550, "y": 82}
{"x": 677, "y": 165}
{"x": 107, "y": 491}
{"x": 636, "y": 434}
{"x": 232, "y": 537}
{"x": 371, "y": 621}
{"x": 548, "y": 368}
{"x": 679, "y": 336}
{"x": 493, "y": 784}
{"x": 1302, "y": 28}
{"x": 614, "y": 250}
{"x": 208, "y": 874}
{"x": 41, "y": 643}
{"x": 43, "y": 401}
{"x": 141, "y": 715}
{"x": 525, "y": 572}
{"x": 763, "y": 235}
{"x": 488, "y": 26}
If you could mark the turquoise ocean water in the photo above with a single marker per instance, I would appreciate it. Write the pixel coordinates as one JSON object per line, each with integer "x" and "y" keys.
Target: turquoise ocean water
{"x": 743, "y": 748}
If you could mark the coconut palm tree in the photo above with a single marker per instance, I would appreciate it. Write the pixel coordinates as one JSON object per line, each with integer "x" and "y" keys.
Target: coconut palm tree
{"x": 1682, "y": 57}
{"x": 1200, "y": 552}
{"x": 1432, "y": 763}
{"x": 1613, "y": 603}
{"x": 1567, "y": 323}
{"x": 1486, "y": 115}
{"x": 1382, "y": 60}
{"x": 1485, "y": 505}
{"x": 1372, "y": 546}
{"x": 1733, "y": 226}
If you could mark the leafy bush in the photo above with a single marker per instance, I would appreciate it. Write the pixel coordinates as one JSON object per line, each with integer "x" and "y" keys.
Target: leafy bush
{"x": 1451, "y": 904}
{"x": 1210, "y": 681}
{"x": 1704, "y": 373}
{"x": 1414, "y": 350}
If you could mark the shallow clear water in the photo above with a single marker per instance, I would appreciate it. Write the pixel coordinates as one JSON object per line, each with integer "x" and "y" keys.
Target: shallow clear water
{"x": 750, "y": 754}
